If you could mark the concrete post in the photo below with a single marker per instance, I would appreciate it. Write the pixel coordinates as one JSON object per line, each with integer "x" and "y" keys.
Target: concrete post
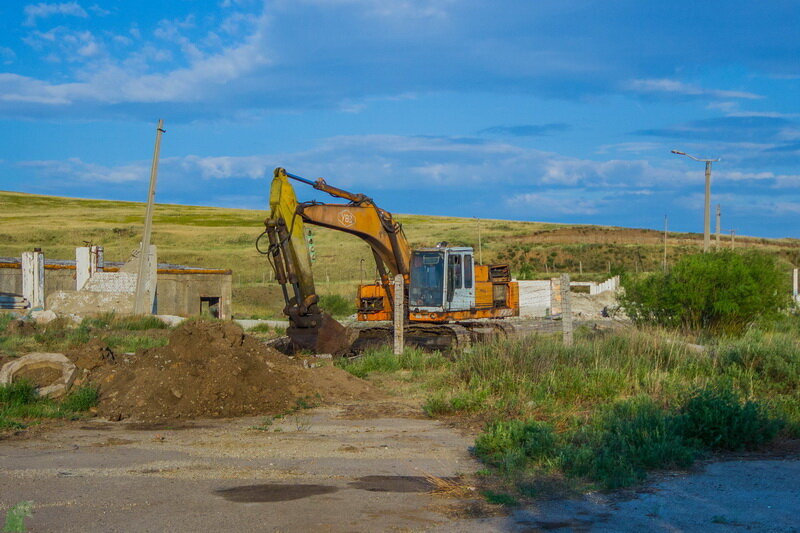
{"x": 566, "y": 310}
{"x": 88, "y": 260}
{"x": 144, "y": 301}
{"x": 33, "y": 279}
{"x": 794, "y": 285}
{"x": 555, "y": 296}
{"x": 399, "y": 314}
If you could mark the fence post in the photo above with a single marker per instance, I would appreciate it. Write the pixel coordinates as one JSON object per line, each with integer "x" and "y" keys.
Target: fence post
{"x": 33, "y": 279}
{"x": 566, "y": 310}
{"x": 399, "y": 313}
{"x": 794, "y": 285}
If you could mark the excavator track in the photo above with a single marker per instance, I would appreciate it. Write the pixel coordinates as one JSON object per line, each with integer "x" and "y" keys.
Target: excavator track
{"x": 429, "y": 337}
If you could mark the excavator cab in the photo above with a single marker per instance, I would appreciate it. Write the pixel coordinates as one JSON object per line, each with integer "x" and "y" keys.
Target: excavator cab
{"x": 441, "y": 280}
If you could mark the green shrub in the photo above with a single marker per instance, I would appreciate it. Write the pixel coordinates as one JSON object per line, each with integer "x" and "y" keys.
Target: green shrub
{"x": 383, "y": 360}
{"x": 15, "y": 517}
{"x": 722, "y": 291}
{"x": 772, "y": 357}
{"x": 5, "y": 318}
{"x": 510, "y": 445}
{"x": 81, "y": 399}
{"x": 337, "y": 305}
{"x": 19, "y": 401}
{"x": 139, "y": 323}
{"x": 261, "y": 328}
{"x": 469, "y": 401}
{"x": 110, "y": 320}
{"x": 719, "y": 421}
{"x": 625, "y": 441}
{"x": 18, "y": 393}
{"x": 500, "y": 498}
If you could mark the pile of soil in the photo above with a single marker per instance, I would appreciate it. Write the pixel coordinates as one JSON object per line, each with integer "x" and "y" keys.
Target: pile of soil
{"x": 210, "y": 369}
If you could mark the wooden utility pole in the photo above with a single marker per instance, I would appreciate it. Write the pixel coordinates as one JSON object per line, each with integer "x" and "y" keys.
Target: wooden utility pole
{"x": 140, "y": 306}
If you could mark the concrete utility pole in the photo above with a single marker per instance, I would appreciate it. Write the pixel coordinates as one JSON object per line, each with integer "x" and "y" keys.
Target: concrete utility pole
{"x": 719, "y": 217}
{"x": 707, "y": 212}
{"x": 733, "y": 239}
{"x": 140, "y": 305}
{"x": 566, "y": 310}
{"x": 399, "y": 314}
{"x": 480, "y": 248}
{"x": 666, "y": 225}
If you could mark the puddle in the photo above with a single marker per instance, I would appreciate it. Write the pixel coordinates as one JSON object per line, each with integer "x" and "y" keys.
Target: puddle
{"x": 273, "y": 492}
{"x": 148, "y": 426}
{"x": 394, "y": 483}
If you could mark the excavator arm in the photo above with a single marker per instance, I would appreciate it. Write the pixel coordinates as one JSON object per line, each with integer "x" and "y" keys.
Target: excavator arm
{"x": 310, "y": 328}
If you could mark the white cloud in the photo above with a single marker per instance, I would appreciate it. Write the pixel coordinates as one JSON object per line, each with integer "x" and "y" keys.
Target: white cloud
{"x": 397, "y": 9}
{"x": 132, "y": 80}
{"x": 664, "y": 85}
{"x": 67, "y": 45}
{"x": 556, "y": 202}
{"x": 74, "y": 169}
{"x": 44, "y": 10}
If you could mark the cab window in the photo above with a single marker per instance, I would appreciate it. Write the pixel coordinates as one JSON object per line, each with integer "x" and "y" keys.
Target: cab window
{"x": 455, "y": 271}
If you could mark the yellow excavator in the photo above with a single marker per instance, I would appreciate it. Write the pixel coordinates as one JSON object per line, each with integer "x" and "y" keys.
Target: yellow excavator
{"x": 449, "y": 298}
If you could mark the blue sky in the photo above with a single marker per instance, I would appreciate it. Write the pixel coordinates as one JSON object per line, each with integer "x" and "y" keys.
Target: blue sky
{"x": 547, "y": 110}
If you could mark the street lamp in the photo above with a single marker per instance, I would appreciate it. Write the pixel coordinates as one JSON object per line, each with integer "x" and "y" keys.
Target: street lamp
{"x": 707, "y": 215}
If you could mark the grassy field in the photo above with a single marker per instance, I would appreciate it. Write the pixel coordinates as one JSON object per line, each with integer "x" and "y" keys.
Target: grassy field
{"x": 607, "y": 410}
{"x": 224, "y": 238}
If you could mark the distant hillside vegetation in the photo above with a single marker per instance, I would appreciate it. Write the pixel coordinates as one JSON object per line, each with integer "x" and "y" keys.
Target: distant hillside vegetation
{"x": 224, "y": 238}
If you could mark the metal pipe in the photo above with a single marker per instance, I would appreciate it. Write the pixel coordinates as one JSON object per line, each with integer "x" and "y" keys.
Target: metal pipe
{"x": 298, "y": 178}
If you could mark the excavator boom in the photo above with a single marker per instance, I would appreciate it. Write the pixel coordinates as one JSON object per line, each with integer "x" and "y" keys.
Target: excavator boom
{"x": 309, "y": 327}
{"x": 442, "y": 284}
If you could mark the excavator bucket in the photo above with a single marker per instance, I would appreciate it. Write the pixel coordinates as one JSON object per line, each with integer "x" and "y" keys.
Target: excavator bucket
{"x": 327, "y": 336}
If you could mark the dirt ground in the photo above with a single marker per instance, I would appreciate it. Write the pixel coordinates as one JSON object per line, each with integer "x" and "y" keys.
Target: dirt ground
{"x": 359, "y": 467}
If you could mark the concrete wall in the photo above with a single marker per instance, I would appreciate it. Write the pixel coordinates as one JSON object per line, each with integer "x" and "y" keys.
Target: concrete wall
{"x": 534, "y": 297}
{"x": 180, "y": 294}
{"x": 54, "y": 280}
{"x": 177, "y": 293}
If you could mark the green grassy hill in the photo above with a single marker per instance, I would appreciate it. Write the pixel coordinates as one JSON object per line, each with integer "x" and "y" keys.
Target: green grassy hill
{"x": 224, "y": 238}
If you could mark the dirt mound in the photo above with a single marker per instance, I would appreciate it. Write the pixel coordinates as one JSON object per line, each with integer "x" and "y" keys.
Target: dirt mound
{"x": 92, "y": 355}
{"x": 212, "y": 369}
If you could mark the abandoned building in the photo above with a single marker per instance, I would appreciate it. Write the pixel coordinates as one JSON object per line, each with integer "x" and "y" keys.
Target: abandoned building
{"x": 180, "y": 290}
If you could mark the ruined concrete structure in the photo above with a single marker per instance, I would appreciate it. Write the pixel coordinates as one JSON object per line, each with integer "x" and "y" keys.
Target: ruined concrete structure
{"x": 180, "y": 290}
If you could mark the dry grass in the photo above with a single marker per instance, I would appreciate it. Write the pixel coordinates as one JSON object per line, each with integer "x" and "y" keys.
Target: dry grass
{"x": 450, "y": 487}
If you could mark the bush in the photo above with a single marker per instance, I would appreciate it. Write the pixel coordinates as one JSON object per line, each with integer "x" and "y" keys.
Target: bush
{"x": 81, "y": 399}
{"x": 719, "y": 421}
{"x": 383, "y": 360}
{"x": 468, "y": 401}
{"x": 20, "y": 401}
{"x": 510, "y": 445}
{"x": 624, "y": 442}
{"x": 722, "y": 291}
